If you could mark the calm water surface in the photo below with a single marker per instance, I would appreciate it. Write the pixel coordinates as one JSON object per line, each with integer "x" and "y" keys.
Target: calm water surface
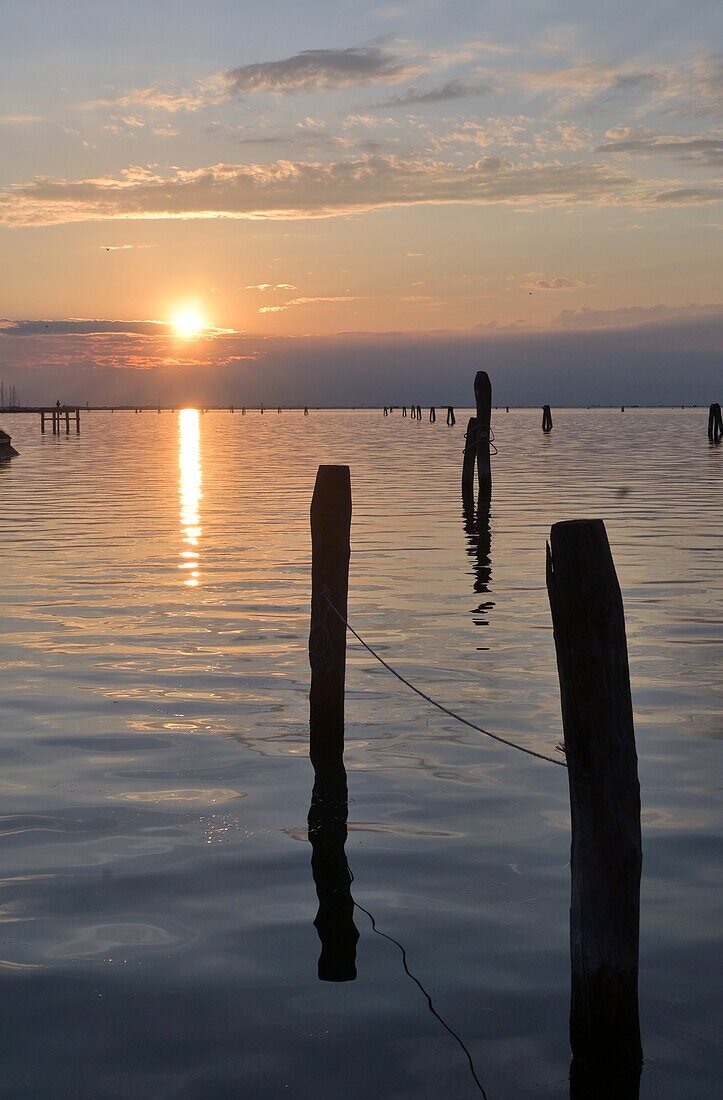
{"x": 156, "y": 897}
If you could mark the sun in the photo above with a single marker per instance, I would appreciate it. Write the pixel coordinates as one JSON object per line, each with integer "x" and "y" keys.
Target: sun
{"x": 188, "y": 322}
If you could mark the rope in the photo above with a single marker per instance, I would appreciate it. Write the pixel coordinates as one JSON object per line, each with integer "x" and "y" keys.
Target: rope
{"x": 494, "y": 450}
{"x": 433, "y": 702}
{"x": 428, "y": 998}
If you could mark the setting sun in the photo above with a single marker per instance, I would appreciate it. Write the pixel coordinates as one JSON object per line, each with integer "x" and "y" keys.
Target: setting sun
{"x": 188, "y": 322}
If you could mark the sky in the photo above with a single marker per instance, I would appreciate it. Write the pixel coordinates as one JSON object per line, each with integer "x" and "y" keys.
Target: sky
{"x": 355, "y": 202}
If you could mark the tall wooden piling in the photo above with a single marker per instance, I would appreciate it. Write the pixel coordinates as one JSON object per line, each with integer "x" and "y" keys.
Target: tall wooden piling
{"x": 597, "y": 716}
{"x": 715, "y": 423}
{"x": 450, "y": 417}
{"x": 546, "y": 419}
{"x": 330, "y": 550}
{"x": 432, "y": 415}
{"x": 483, "y": 400}
{"x": 468, "y": 458}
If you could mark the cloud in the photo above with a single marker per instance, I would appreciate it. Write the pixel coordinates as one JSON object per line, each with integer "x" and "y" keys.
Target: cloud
{"x": 691, "y": 89}
{"x": 314, "y": 70}
{"x": 93, "y": 327}
{"x": 162, "y": 100}
{"x": 557, "y": 282}
{"x": 451, "y": 90}
{"x": 308, "y": 189}
{"x": 666, "y": 355}
{"x": 272, "y": 286}
{"x": 634, "y": 316}
{"x": 306, "y": 301}
{"x": 706, "y": 152}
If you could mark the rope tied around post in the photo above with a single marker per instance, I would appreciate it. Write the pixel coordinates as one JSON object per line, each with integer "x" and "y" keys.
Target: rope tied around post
{"x": 430, "y": 700}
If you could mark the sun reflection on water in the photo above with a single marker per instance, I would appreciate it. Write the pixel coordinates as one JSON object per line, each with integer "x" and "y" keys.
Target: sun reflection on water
{"x": 189, "y": 488}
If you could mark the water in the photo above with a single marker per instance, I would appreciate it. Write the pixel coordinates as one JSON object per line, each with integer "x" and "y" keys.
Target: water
{"x": 156, "y": 895}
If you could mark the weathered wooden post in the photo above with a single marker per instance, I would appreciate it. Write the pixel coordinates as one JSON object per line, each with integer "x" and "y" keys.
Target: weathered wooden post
{"x": 483, "y": 399}
{"x": 404, "y": 410}
{"x": 451, "y": 421}
{"x": 67, "y": 420}
{"x": 330, "y": 550}
{"x": 597, "y": 716}
{"x": 546, "y": 419}
{"x": 7, "y": 450}
{"x": 715, "y": 423}
{"x": 77, "y": 421}
{"x": 468, "y": 458}
{"x": 42, "y": 422}
{"x": 432, "y": 415}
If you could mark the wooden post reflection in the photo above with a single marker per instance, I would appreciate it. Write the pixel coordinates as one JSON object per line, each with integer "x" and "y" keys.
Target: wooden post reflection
{"x": 335, "y": 919}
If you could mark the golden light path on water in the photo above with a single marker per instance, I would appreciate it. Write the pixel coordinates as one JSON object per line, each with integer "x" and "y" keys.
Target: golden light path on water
{"x": 190, "y": 493}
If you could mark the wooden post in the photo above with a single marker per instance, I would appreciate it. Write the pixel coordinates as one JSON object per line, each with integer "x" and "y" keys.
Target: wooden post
{"x": 483, "y": 399}
{"x": 432, "y": 415}
{"x": 468, "y": 458}
{"x": 450, "y": 417}
{"x": 546, "y": 419}
{"x": 404, "y": 410}
{"x": 715, "y": 423}
{"x": 67, "y": 421}
{"x": 597, "y": 717}
{"x": 77, "y": 421}
{"x": 42, "y": 422}
{"x": 330, "y": 550}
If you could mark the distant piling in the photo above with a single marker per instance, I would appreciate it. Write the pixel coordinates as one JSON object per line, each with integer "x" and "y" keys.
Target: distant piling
{"x": 715, "y": 423}
{"x": 468, "y": 459}
{"x": 483, "y": 400}
{"x": 546, "y": 419}
{"x": 606, "y": 858}
{"x": 450, "y": 417}
{"x": 432, "y": 415}
{"x": 330, "y": 550}
{"x": 404, "y": 410}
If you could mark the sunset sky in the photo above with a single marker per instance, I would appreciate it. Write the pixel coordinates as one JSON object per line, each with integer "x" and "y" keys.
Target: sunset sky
{"x": 534, "y": 184}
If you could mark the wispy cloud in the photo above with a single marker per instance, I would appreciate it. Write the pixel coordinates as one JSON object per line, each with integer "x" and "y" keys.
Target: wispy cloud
{"x": 302, "y": 190}
{"x": 451, "y": 90}
{"x": 694, "y": 88}
{"x": 307, "y": 301}
{"x": 272, "y": 286}
{"x": 533, "y": 281}
{"x": 633, "y": 316}
{"x": 704, "y": 151}
{"x": 95, "y": 327}
{"x": 313, "y": 70}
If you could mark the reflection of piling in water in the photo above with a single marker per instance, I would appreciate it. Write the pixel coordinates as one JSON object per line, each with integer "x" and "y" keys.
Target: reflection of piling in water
{"x": 597, "y": 716}
{"x": 330, "y": 528}
{"x": 335, "y": 918}
{"x": 479, "y": 547}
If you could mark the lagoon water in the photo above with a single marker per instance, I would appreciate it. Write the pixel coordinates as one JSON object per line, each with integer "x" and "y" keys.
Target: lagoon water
{"x": 156, "y": 894}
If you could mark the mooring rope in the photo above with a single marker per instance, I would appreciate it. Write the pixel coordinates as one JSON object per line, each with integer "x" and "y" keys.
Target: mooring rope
{"x": 430, "y": 1003}
{"x": 429, "y": 699}
{"x": 494, "y": 450}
